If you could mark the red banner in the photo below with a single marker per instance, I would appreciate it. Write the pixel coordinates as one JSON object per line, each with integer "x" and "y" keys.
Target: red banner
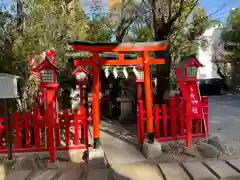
{"x": 195, "y": 101}
{"x": 196, "y": 105}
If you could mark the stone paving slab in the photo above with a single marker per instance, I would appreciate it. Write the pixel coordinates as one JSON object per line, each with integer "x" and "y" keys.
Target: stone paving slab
{"x": 173, "y": 171}
{"x": 234, "y": 163}
{"x": 136, "y": 171}
{"x": 71, "y": 173}
{"x": 118, "y": 151}
{"x": 18, "y": 175}
{"x": 222, "y": 170}
{"x": 98, "y": 174}
{"x": 44, "y": 175}
{"x": 198, "y": 171}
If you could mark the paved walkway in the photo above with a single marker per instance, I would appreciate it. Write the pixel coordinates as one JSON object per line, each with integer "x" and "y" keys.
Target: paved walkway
{"x": 119, "y": 145}
{"x": 210, "y": 170}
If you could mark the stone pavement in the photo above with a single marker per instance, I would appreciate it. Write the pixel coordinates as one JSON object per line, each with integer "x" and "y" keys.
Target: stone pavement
{"x": 118, "y": 147}
{"x": 209, "y": 170}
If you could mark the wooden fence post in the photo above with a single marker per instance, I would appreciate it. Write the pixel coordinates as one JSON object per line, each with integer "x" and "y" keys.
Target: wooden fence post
{"x": 205, "y": 114}
{"x": 36, "y": 122}
{"x": 173, "y": 120}
{"x": 16, "y": 119}
{"x": 158, "y": 118}
{"x": 140, "y": 122}
{"x": 26, "y": 118}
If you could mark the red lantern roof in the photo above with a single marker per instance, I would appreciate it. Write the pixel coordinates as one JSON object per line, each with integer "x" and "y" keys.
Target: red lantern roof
{"x": 80, "y": 69}
{"x": 46, "y": 64}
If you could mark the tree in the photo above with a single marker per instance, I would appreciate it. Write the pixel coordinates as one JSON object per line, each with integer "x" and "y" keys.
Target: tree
{"x": 185, "y": 36}
{"x": 100, "y": 29}
{"x": 39, "y": 26}
{"x": 231, "y": 40}
{"x": 167, "y": 20}
{"x": 231, "y": 35}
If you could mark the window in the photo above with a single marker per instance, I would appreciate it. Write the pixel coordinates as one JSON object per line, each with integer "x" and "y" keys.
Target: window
{"x": 47, "y": 76}
{"x": 192, "y": 71}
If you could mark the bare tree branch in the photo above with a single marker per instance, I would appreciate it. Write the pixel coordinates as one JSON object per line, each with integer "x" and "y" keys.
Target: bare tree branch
{"x": 178, "y": 13}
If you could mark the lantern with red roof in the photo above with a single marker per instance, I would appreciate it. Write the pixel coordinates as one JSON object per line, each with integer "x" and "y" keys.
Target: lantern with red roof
{"x": 186, "y": 70}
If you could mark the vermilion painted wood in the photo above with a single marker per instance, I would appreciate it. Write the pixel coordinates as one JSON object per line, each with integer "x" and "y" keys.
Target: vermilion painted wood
{"x": 16, "y": 119}
{"x": 26, "y": 118}
{"x": 36, "y": 123}
{"x": 158, "y": 118}
{"x": 57, "y": 133}
{"x": 181, "y": 118}
{"x": 26, "y": 150}
{"x": 162, "y": 139}
{"x": 76, "y": 128}
{"x": 85, "y": 129}
{"x": 118, "y": 48}
{"x": 177, "y": 122}
{"x": 165, "y": 119}
{"x": 1, "y": 132}
{"x": 67, "y": 131}
{"x": 173, "y": 115}
{"x": 140, "y": 122}
{"x": 205, "y": 113}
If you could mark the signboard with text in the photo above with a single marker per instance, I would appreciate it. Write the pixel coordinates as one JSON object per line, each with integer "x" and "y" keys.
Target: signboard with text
{"x": 195, "y": 99}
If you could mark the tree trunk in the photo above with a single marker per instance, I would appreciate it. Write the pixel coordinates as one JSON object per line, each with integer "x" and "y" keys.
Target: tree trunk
{"x": 163, "y": 70}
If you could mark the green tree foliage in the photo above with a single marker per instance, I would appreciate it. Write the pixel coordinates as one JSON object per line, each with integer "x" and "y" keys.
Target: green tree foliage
{"x": 231, "y": 35}
{"x": 48, "y": 25}
{"x": 185, "y": 36}
{"x": 100, "y": 29}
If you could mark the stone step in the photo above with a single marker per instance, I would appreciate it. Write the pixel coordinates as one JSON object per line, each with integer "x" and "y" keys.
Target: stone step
{"x": 197, "y": 171}
{"x": 173, "y": 171}
{"x": 98, "y": 174}
{"x": 136, "y": 171}
{"x": 43, "y": 175}
{"x": 74, "y": 173}
{"x": 222, "y": 170}
{"x": 16, "y": 175}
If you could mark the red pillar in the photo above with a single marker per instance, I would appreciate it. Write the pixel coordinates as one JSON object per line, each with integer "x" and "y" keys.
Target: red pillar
{"x": 148, "y": 99}
{"x": 51, "y": 110}
{"x": 82, "y": 111}
{"x": 139, "y": 91}
{"x": 188, "y": 114}
{"x": 95, "y": 105}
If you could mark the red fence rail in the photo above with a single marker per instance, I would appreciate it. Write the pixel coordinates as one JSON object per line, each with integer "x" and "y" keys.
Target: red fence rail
{"x": 30, "y": 131}
{"x": 169, "y": 121}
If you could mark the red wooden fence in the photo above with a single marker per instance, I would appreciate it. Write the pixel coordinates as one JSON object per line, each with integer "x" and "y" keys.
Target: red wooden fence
{"x": 170, "y": 122}
{"x": 30, "y": 132}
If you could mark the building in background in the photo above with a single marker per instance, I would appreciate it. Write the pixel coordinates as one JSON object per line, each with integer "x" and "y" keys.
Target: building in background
{"x": 209, "y": 54}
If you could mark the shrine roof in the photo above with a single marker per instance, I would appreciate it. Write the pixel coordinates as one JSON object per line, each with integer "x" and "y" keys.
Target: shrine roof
{"x": 187, "y": 59}
{"x": 86, "y": 43}
{"x": 46, "y": 62}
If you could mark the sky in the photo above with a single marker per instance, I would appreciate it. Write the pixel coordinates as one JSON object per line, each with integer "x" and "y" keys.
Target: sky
{"x": 217, "y": 9}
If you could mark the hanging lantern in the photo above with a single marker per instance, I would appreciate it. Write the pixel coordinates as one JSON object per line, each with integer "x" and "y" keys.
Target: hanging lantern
{"x": 125, "y": 73}
{"x": 106, "y": 72}
{"x": 115, "y": 73}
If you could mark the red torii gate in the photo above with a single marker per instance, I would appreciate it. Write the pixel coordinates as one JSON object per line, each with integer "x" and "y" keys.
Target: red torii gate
{"x": 120, "y": 49}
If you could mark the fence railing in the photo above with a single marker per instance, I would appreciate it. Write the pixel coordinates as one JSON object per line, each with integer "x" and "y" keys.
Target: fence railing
{"x": 169, "y": 121}
{"x": 30, "y": 131}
